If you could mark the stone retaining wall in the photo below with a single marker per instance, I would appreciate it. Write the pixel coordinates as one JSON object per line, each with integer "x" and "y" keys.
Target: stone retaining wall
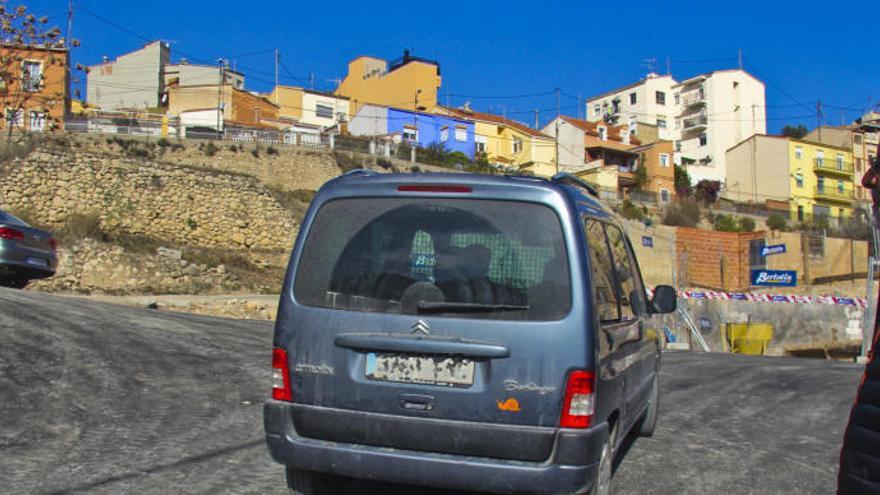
{"x": 141, "y": 196}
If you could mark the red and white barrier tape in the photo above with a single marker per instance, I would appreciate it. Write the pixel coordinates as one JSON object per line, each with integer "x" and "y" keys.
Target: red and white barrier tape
{"x": 709, "y": 295}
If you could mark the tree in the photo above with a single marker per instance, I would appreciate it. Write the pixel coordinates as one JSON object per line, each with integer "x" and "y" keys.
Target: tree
{"x": 20, "y": 33}
{"x": 641, "y": 176}
{"x": 746, "y": 224}
{"x": 796, "y": 132}
{"x": 776, "y": 221}
{"x": 682, "y": 181}
{"x": 684, "y": 213}
{"x": 707, "y": 191}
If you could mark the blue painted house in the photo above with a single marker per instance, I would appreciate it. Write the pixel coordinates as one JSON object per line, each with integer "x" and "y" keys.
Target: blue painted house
{"x": 454, "y": 134}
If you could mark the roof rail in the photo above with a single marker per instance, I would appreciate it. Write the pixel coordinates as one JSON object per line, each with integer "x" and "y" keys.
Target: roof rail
{"x": 568, "y": 179}
{"x": 359, "y": 172}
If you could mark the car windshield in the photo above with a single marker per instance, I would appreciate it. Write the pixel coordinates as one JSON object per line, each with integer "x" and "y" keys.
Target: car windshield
{"x": 468, "y": 258}
{"x": 10, "y": 219}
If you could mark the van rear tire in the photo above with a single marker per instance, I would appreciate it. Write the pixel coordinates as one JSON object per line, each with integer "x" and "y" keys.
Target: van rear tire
{"x": 648, "y": 423}
{"x": 605, "y": 472}
{"x": 301, "y": 482}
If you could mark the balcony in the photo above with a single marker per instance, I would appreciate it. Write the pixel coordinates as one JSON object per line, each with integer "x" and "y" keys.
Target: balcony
{"x": 694, "y": 122}
{"x": 694, "y": 97}
{"x": 829, "y": 193}
{"x": 833, "y": 167}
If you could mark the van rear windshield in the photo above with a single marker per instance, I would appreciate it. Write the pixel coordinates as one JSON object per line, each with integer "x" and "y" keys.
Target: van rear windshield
{"x": 461, "y": 258}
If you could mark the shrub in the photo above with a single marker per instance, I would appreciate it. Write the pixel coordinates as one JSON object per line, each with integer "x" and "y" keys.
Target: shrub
{"x": 82, "y": 225}
{"x": 384, "y": 163}
{"x": 346, "y": 163}
{"x": 271, "y": 150}
{"x": 776, "y": 221}
{"x": 746, "y": 224}
{"x": 630, "y": 211}
{"x": 210, "y": 149}
{"x": 255, "y": 152}
{"x": 233, "y": 148}
{"x": 685, "y": 213}
{"x": 725, "y": 223}
{"x": 163, "y": 143}
{"x": 415, "y": 169}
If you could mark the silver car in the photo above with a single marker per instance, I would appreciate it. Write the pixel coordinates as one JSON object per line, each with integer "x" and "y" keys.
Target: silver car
{"x": 26, "y": 253}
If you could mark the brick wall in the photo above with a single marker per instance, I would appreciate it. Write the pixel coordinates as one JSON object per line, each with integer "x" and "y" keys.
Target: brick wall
{"x": 716, "y": 260}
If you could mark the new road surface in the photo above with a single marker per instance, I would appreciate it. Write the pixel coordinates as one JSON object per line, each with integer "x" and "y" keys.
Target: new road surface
{"x": 101, "y": 398}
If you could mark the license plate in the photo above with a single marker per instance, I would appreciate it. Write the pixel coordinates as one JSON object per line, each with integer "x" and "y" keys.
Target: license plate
{"x": 38, "y": 262}
{"x": 427, "y": 370}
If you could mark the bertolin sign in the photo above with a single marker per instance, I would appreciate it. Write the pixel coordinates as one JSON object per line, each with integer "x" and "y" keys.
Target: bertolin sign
{"x": 774, "y": 278}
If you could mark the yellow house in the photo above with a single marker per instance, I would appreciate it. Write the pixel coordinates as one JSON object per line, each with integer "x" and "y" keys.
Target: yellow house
{"x": 821, "y": 180}
{"x": 509, "y": 143}
{"x": 410, "y": 83}
{"x": 311, "y": 107}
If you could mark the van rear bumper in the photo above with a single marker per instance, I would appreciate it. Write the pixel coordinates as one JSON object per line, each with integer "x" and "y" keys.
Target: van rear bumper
{"x": 571, "y": 468}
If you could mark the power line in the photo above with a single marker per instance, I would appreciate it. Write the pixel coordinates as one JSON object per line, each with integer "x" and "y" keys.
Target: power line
{"x": 111, "y": 23}
{"x": 501, "y": 97}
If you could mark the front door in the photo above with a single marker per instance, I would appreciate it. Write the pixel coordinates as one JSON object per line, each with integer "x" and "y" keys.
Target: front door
{"x": 619, "y": 339}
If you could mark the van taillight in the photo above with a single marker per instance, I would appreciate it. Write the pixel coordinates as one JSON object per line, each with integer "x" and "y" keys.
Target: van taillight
{"x": 280, "y": 376}
{"x": 580, "y": 400}
{"x": 53, "y": 244}
{"x": 7, "y": 233}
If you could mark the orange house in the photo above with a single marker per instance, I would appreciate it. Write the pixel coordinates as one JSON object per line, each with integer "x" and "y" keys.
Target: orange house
{"x": 33, "y": 87}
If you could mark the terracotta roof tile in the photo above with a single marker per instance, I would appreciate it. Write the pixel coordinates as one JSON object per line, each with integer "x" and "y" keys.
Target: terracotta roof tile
{"x": 496, "y": 119}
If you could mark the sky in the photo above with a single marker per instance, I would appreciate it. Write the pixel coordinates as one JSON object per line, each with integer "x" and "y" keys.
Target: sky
{"x": 509, "y": 57}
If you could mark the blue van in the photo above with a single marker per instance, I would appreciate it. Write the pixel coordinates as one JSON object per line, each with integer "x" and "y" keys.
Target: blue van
{"x": 461, "y": 331}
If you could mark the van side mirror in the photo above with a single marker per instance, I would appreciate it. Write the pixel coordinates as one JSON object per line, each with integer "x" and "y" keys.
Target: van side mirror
{"x": 664, "y": 300}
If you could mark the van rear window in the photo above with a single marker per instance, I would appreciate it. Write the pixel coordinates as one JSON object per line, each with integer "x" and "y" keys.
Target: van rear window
{"x": 453, "y": 257}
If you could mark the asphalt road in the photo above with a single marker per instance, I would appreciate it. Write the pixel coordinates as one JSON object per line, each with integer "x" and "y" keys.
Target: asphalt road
{"x": 101, "y": 398}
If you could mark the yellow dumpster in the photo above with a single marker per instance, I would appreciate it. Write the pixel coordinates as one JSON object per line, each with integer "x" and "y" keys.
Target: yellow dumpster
{"x": 748, "y": 338}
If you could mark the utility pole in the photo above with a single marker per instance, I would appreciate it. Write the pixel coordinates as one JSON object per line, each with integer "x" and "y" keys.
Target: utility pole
{"x": 819, "y": 119}
{"x": 739, "y": 54}
{"x": 69, "y": 24}
{"x": 312, "y": 81}
{"x": 68, "y": 42}
{"x": 276, "y": 76}
{"x": 536, "y": 118}
{"x": 412, "y": 154}
{"x": 668, "y": 66}
{"x": 557, "y": 130}
{"x": 220, "y": 105}
{"x": 579, "y": 108}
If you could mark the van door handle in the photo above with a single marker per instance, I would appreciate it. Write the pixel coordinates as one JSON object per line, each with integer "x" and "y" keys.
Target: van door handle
{"x": 421, "y": 345}
{"x": 417, "y": 402}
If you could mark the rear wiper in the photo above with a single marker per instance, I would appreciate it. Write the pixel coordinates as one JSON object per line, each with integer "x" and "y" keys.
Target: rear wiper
{"x": 448, "y": 307}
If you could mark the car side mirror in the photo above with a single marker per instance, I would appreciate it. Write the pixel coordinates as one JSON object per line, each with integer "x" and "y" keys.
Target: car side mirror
{"x": 665, "y": 299}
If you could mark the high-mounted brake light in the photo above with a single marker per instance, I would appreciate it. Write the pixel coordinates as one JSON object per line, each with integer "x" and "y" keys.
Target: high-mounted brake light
{"x": 580, "y": 400}
{"x": 280, "y": 376}
{"x": 53, "y": 244}
{"x": 434, "y": 189}
{"x": 7, "y": 233}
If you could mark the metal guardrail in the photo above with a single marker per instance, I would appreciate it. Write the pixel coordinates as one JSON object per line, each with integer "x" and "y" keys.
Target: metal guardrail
{"x": 153, "y": 126}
